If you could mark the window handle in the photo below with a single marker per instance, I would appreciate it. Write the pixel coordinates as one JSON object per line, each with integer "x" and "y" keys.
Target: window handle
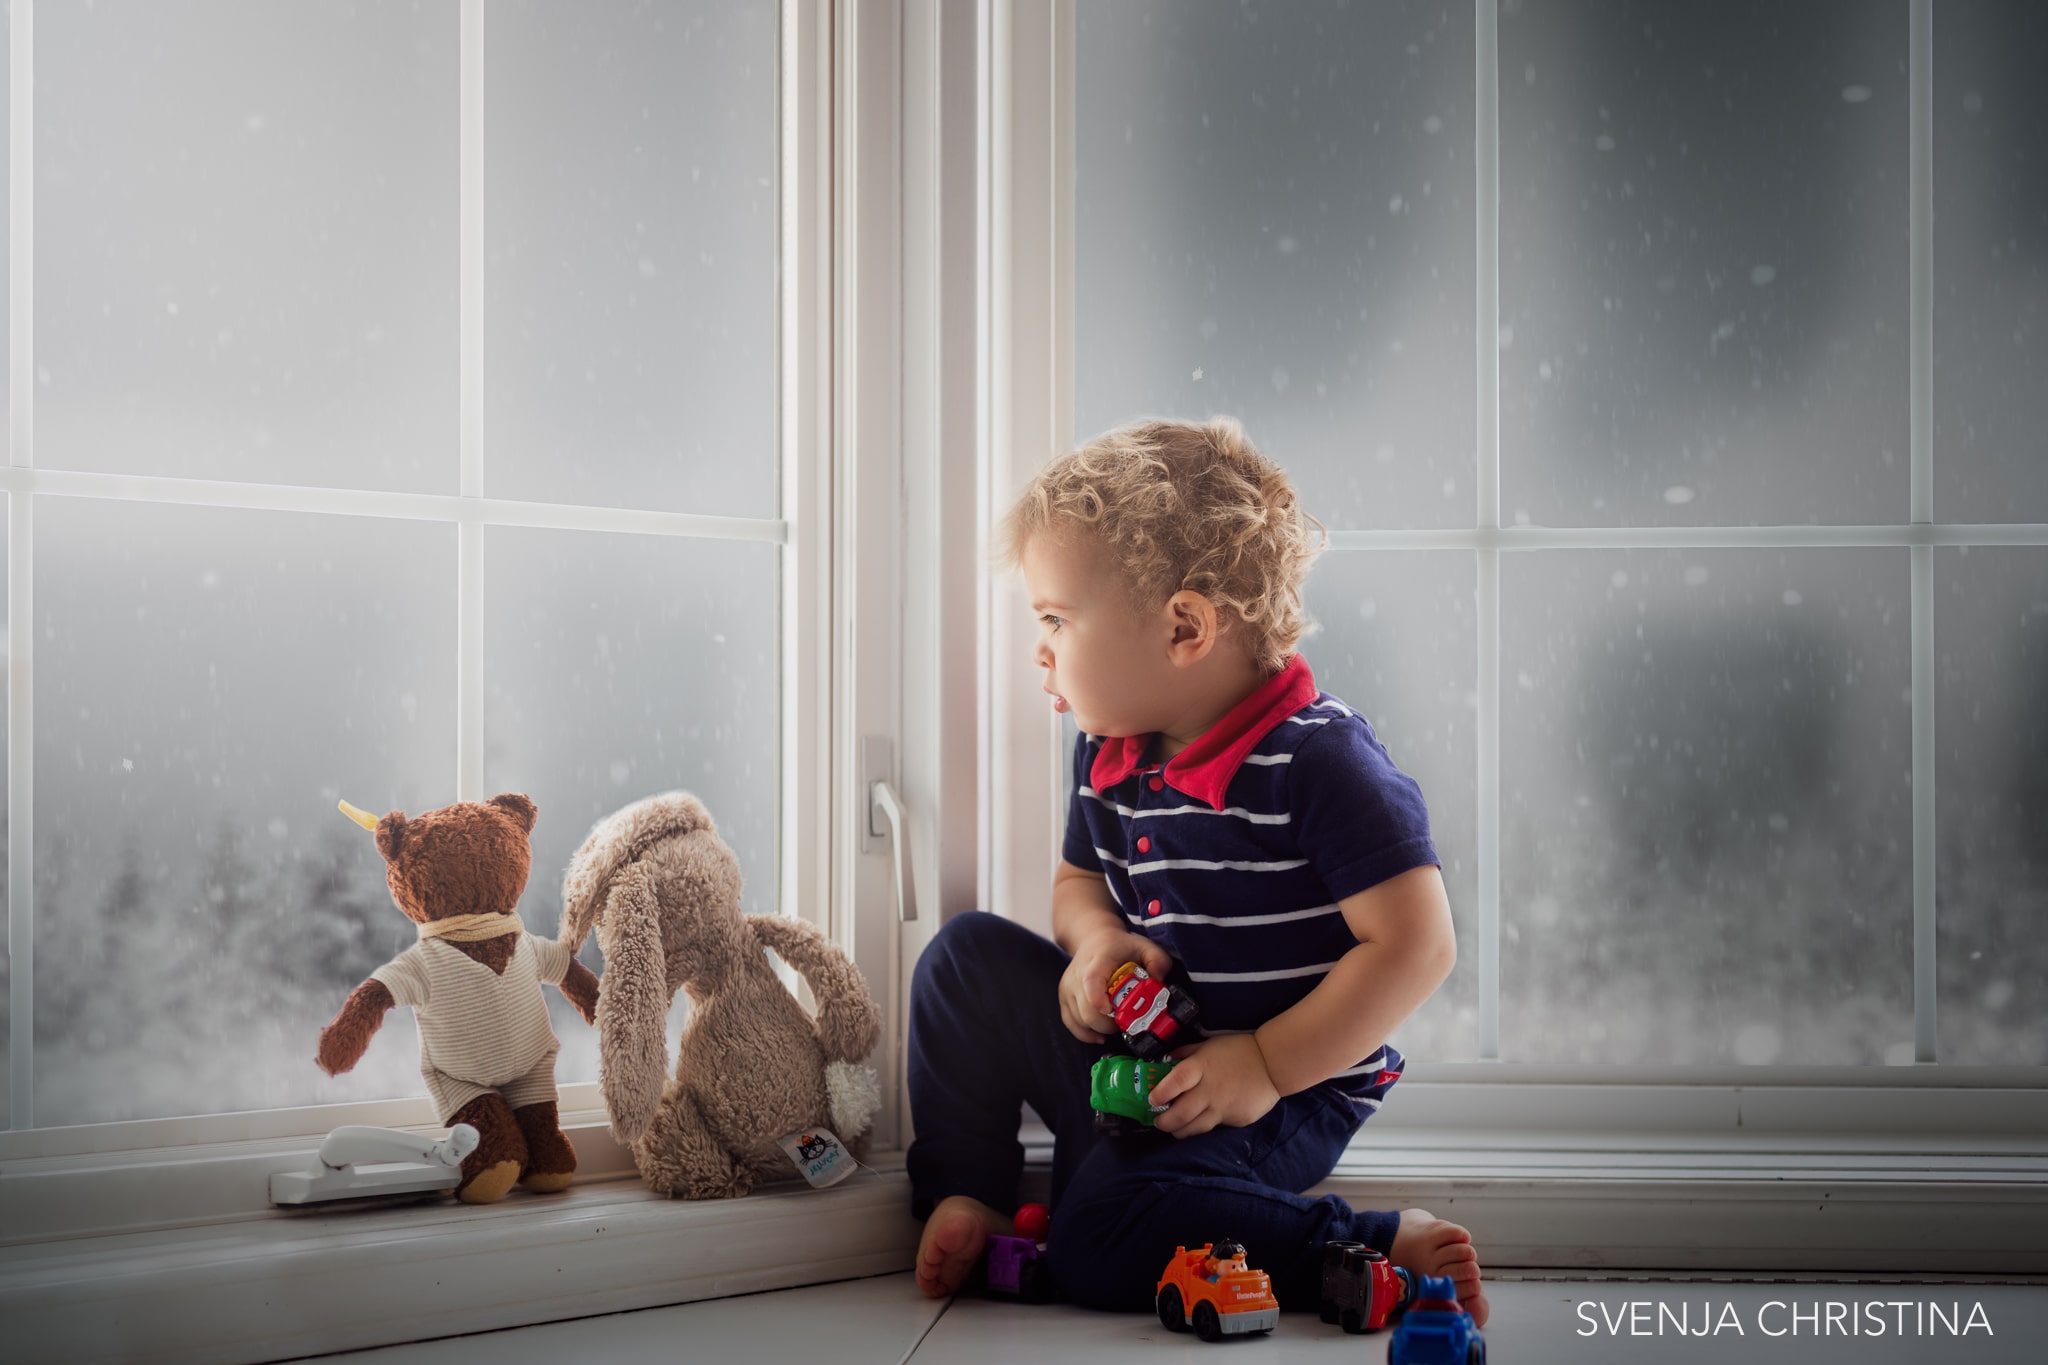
{"x": 883, "y": 807}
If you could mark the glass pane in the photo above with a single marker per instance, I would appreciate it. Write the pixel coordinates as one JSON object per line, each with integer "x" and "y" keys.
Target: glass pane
{"x": 1703, "y": 262}
{"x": 1991, "y": 798}
{"x": 208, "y": 684}
{"x": 1395, "y": 639}
{"x": 1274, "y": 219}
{"x": 1990, "y": 261}
{"x": 247, "y": 244}
{"x": 1706, "y": 806}
{"x": 617, "y": 667}
{"x": 629, "y": 244}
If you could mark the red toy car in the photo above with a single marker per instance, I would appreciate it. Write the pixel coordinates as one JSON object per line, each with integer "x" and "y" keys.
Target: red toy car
{"x": 1361, "y": 1288}
{"x": 1154, "y": 1017}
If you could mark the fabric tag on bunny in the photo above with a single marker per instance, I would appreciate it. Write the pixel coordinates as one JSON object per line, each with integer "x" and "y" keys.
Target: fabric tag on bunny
{"x": 820, "y": 1156}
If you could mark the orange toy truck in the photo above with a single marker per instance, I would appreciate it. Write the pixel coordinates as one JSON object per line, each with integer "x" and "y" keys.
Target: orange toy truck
{"x": 1212, "y": 1288}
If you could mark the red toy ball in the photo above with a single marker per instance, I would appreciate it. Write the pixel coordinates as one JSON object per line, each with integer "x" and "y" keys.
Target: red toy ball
{"x": 1032, "y": 1221}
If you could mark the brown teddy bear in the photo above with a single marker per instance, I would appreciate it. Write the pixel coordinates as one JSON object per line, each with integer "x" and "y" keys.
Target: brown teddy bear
{"x": 663, "y": 891}
{"x": 473, "y": 980}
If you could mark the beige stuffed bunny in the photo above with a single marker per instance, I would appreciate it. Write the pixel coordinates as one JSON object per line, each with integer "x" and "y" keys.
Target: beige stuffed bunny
{"x": 663, "y": 891}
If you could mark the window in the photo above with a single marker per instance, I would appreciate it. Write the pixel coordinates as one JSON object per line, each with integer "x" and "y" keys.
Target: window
{"x": 1592, "y": 332}
{"x": 403, "y": 417}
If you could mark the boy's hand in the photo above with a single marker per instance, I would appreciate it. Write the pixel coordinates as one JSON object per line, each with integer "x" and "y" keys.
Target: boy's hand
{"x": 1084, "y": 1008}
{"x": 1219, "y": 1082}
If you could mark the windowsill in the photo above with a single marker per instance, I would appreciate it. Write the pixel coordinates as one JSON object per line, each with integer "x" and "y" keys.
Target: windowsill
{"x": 274, "y": 1284}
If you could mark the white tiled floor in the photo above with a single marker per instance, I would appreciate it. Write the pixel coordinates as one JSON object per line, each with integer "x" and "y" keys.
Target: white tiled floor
{"x": 1535, "y": 1322}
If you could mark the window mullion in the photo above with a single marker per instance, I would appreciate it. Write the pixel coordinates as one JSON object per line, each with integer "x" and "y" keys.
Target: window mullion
{"x": 20, "y": 558}
{"x": 1920, "y": 50}
{"x": 469, "y": 553}
{"x": 1486, "y": 163}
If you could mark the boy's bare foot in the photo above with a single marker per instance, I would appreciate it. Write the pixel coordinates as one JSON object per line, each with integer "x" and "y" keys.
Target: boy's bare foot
{"x": 1427, "y": 1245}
{"x": 953, "y": 1238}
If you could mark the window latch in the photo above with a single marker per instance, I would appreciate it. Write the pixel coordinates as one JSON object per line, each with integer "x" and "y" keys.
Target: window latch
{"x": 886, "y": 819}
{"x": 885, "y": 808}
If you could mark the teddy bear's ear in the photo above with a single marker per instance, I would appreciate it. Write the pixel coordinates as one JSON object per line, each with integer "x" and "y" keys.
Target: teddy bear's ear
{"x": 391, "y": 835}
{"x": 519, "y": 806}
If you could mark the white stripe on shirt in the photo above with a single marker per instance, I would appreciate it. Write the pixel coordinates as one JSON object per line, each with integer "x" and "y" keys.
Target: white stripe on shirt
{"x": 1216, "y": 865}
{"x": 1240, "y": 921}
{"x": 1283, "y": 818}
{"x": 1369, "y": 1067}
{"x": 1283, "y": 974}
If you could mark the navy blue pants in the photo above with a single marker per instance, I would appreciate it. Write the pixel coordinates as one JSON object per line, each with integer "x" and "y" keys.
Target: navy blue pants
{"x": 986, "y": 1038}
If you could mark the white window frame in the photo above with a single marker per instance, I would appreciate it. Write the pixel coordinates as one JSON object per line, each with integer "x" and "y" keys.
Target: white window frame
{"x": 808, "y": 446}
{"x": 114, "y": 1234}
{"x": 1485, "y": 1123}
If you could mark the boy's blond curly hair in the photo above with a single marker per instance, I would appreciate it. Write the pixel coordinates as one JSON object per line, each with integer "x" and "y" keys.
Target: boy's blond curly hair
{"x": 1183, "y": 505}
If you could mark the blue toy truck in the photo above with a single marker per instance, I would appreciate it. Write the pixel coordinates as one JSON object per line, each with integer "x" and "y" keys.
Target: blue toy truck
{"x": 1435, "y": 1331}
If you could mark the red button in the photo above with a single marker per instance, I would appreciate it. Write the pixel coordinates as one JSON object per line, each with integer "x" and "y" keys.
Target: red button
{"x": 1153, "y": 908}
{"x": 1144, "y": 845}
{"x": 1157, "y": 784}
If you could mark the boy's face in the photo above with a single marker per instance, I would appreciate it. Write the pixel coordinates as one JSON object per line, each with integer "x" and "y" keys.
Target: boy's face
{"x": 1108, "y": 662}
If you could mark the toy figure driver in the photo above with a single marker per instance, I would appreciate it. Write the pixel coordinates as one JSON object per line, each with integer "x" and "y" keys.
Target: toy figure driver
{"x": 1225, "y": 1258}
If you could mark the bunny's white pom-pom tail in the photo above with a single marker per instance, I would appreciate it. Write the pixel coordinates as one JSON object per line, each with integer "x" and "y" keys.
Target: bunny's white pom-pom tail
{"x": 853, "y": 1093}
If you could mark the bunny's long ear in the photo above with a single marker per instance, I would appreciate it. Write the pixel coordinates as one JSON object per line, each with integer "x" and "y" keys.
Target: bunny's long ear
{"x": 632, "y": 1004}
{"x": 849, "y": 1025}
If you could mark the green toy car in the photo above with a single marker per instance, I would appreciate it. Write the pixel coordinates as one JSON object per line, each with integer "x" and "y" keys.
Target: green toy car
{"x": 1120, "y": 1093}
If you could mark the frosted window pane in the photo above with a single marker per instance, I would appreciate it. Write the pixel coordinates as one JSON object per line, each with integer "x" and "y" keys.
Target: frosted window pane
{"x": 1706, "y": 845}
{"x": 1395, "y": 638}
{"x": 208, "y": 684}
{"x": 630, "y": 266}
{"x": 617, "y": 667}
{"x": 1703, "y": 257}
{"x": 246, "y": 246}
{"x": 1274, "y": 219}
{"x": 1990, "y": 261}
{"x": 1991, "y": 794}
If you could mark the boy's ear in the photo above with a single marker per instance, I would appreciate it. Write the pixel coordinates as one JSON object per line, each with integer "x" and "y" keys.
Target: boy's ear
{"x": 391, "y": 835}
{"x": 519, "y": 806}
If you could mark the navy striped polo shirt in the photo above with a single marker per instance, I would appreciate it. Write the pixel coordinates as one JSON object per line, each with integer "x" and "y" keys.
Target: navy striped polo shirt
{"x": 1234, "y": 854}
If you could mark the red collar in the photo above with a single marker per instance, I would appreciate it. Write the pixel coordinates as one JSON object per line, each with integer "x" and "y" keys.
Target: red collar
{"x": 1203, "y": 770}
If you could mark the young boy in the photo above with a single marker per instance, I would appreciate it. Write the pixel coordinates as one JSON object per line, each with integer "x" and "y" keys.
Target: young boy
{"x": 1233, "y": 827}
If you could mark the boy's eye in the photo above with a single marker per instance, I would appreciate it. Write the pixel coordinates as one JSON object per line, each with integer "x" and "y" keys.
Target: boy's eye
{"x": 1052, "y": 621}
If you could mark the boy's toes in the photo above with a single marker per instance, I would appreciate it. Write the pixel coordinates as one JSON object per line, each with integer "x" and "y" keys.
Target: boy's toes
{"x": 953, "y": 1240}
{"x": 1445, "y": 1236}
